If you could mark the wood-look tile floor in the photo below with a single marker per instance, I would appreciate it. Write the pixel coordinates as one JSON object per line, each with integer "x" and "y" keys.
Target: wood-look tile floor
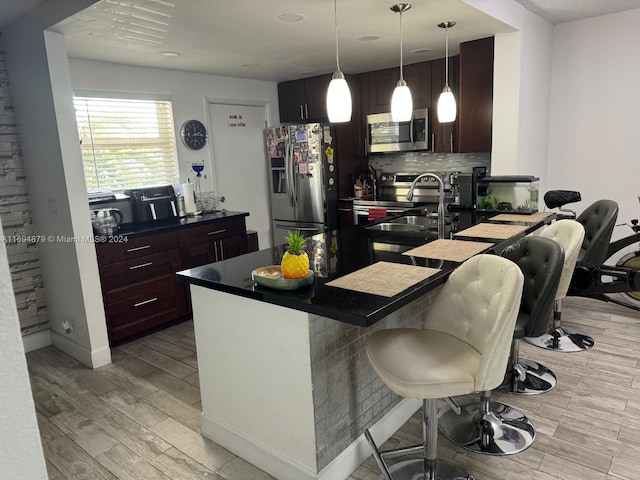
{"x": 139, "y": 418}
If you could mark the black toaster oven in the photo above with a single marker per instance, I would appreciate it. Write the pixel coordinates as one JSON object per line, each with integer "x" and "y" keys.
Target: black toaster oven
{"x": 149, "y": 204}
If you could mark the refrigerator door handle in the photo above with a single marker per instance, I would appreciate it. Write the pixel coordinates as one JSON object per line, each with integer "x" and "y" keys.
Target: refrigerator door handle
{"x": 294, "y": 182}
{"x": 287, "y": 174}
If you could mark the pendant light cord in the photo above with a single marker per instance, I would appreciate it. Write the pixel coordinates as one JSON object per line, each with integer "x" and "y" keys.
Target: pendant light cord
{"x": 335, "y": 17}
{"x": 401, "y": 77}
{"x": 446, "y": 58}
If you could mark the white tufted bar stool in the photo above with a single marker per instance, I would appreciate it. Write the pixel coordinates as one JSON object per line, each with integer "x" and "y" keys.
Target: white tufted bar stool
{"x": 463, "y": 347}
{"x": 570, "y": 235}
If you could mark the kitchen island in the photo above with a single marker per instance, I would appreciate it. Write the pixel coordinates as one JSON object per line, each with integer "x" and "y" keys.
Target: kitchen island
{"x": 284, "y": 377}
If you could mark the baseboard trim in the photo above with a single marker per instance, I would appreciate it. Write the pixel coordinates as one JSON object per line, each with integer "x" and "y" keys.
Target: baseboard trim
{"x": 35, "y": 341}
{"x": 254, "y": 451}
{"x": 284, "y": 468}
{"x": 90, "y": 358}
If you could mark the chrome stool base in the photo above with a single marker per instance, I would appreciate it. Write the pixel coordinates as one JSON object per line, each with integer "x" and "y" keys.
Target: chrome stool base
{"x": 487, "y": 427}
{"x": 537, "y": 378}
{"x": 563, "y": 339}
{"x": 414, "y": 470}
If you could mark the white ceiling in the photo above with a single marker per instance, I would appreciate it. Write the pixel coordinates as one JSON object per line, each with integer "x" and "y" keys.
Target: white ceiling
{"x": 558, "y": 11}
{"x": 244, "y": 38}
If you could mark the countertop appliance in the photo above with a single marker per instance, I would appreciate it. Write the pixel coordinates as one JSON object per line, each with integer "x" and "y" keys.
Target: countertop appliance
{"x": 386, "y": 136}
{"x": 108, "y": 199}
{"x": 152, "y": 203}
{"x": 303, "y": 178}
{"x": 106, "y": 221}
{"x": 392, "y": 191}
{"x": 465, "y": 187}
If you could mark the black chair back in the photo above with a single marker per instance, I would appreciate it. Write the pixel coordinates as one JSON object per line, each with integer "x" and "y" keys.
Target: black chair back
{"x": 598, "y": 221}
{"x": 541, "y": 261}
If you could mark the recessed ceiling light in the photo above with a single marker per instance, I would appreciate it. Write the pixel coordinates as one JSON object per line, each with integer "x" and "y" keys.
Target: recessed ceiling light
{"x": 291, "y": 17}
{"x": 170, "y": 54}
{"x": 422, "y": 50}
{"x": 369, "y": 38}
{"x": 250, "y": 65}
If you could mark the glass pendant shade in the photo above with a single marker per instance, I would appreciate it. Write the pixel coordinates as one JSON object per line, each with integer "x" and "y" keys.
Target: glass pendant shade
{"x": 338, "y": 94}
{"x": 447, "y": 102}
{"x": 338, "y": 99}
{"x": 446, "y": 106}
{"x": 401, "y": 103}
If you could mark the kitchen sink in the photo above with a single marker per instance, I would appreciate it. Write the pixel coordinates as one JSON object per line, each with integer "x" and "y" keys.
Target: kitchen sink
{"x": 397, "y": 227}
{"x": 416, "y": 220}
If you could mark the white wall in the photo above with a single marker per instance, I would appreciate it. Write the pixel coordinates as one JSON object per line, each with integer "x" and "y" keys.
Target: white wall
{"x": 21, "y": 453}
{"x": 594, "y": 145}
{"x": 41, "y": 90}
{"x": 190, "y": 94}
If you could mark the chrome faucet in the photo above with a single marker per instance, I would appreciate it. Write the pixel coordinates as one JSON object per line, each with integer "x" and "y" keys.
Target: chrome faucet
{"x": 441, "y": 220}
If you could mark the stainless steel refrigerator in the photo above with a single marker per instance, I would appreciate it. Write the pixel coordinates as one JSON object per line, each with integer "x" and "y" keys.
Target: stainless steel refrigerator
{"x": 303, "y": 177}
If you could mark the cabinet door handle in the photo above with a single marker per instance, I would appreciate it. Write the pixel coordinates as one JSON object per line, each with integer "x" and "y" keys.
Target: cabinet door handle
{"x": 215, "y": 250}
{"x": 433, "y": 142}
{"x": 345, "y": 210}
{"x": 306, "y": 111}
{"x": 301, "y": 113}
{"x": 146, "y": 302}
{"x": 144, "y": 247}
{"x": 142, "y": 265}
{"x": 452, "y": 143}
{"x": 217, "y": 232}
{"x": 221, "y": 250}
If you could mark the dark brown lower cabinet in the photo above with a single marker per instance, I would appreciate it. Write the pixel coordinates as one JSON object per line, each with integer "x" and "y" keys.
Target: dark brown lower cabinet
{"x": 139, "y": 286}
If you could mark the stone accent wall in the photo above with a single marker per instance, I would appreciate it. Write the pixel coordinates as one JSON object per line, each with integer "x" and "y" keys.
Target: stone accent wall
{"x": 17, "y": 223}
{"x": 348, "y": 395}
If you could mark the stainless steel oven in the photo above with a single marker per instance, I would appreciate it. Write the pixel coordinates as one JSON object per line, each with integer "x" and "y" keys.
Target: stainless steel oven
{"x": 361, "y": 212}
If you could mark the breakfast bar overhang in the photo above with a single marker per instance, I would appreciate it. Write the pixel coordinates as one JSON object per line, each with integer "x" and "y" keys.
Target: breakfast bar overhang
{"x": 284, "y": 377}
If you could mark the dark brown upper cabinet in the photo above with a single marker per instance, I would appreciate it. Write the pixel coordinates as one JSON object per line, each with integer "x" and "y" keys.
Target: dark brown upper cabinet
{"x": 476, "y": 96}
{"x": 304, "y": 100}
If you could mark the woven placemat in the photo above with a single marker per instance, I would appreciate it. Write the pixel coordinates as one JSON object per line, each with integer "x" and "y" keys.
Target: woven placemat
{"x": 383, "y": 278}
{"x": 491, "y": 230}
{"x": 512, "y": 217}
{"x": 452, "y": 250}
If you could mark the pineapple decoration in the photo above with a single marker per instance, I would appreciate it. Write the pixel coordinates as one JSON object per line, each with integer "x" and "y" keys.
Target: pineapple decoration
{"x": 295, "y": 262}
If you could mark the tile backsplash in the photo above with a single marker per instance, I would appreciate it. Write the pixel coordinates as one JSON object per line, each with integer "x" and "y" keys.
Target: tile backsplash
{"x": 421, "y": 162}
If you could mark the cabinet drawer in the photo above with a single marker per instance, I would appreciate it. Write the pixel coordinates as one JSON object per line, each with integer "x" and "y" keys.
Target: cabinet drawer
{"x": 141, "y": 269}
{"x": 136, "y": 247}
{"x": 212, "y": 231}
{"x": 143, "y": 306}
{"x": 141, "y": 288}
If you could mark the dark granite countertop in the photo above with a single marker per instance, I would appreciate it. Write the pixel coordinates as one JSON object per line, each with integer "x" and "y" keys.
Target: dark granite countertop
{"x": 137, "y": 229}
{"x": 335, "y": 255}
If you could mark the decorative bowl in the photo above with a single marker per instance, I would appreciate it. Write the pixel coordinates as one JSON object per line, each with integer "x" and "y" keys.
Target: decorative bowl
{"x": 271, "y": 277}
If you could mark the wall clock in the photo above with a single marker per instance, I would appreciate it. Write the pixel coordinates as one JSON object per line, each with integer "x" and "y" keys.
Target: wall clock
{"x": 193, "y": 134}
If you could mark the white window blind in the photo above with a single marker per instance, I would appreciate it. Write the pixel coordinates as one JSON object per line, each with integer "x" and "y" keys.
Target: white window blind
{"x": 126, "y": 142}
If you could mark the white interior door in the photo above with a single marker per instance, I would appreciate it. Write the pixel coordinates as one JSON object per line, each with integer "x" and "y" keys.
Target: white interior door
{"x": 240, "y": 166}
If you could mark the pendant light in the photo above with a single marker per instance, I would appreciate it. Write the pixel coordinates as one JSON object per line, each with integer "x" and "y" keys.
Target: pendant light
{"x": 401, "y": 101}
{"x": 446, "y": 102}
{"x": 338, "y": 94}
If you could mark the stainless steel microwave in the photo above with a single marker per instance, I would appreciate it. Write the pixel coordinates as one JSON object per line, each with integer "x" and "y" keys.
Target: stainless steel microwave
{"x": 385, "y": 135}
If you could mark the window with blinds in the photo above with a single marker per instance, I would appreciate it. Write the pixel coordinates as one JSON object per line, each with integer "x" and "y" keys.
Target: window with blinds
{"x": 126, "y": 142}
